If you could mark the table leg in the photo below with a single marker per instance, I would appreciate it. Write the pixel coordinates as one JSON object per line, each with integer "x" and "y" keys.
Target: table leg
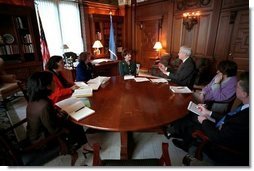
{"x": 126, "y": 145}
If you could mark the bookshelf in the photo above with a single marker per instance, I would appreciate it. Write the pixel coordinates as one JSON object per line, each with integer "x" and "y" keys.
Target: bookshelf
{"x": 19, "y": 40}
{"x": 97, "y": 22}
{"x": 102, "y": 32}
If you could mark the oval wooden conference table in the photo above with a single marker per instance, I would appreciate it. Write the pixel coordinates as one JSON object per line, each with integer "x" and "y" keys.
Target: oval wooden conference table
{"x": 127, "y": 106}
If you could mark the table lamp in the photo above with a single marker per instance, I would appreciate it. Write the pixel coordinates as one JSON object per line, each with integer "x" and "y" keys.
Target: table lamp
{"x": 157, "y": 46}
{"x": 97, "y": 44}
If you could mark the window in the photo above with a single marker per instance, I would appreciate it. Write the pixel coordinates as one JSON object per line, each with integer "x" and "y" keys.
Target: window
{"x": 61, "y": 24}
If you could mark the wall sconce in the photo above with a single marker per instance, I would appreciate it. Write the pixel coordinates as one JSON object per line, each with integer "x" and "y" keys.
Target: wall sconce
{"x": 190, "y": 19}
{"x": 97, "y": 44}
{"x": 157, "y": 46}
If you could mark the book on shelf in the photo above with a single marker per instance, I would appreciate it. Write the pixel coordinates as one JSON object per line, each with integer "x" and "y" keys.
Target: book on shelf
{"x": 75, "y": 108}
{"x": 194, "y": 108}
{"x": 180, "y": 89}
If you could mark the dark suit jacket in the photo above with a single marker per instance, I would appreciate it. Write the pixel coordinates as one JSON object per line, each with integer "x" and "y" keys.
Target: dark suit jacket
{"x": 234, "y": 132}
{"x": 126, "y": 69}
{"x": 185, "y": 74}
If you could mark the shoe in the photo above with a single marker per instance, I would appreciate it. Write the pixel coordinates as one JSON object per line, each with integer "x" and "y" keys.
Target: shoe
{"x": 167, "y": 134}
{"x": 180, "y": 144}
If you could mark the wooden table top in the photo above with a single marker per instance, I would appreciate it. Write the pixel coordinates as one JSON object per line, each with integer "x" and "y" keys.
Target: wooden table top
{"x": 126, "y": 105}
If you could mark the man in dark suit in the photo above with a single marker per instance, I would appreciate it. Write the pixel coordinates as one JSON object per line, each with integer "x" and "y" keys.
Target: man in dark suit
{"x": 230, "y": 130}
{"x": 185, "y": 74}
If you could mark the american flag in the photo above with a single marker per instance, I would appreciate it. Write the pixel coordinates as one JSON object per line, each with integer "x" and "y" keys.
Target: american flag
{"x": 44, "y": 47}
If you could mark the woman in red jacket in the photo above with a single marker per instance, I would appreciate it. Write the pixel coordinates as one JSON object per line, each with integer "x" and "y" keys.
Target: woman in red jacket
{"x": 63, "y": 88}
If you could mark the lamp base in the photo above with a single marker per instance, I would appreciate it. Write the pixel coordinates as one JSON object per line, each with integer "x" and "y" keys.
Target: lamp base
{"x": 97, "y": 51}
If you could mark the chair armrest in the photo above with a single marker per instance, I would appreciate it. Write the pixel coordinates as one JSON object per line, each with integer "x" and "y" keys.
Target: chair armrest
{"x": 15, "y": 125}
{"x": 8, "y": 78}
{"x": 96, "y": 155}
{"x": 165, "y": 159}
{"x": 201, "y": 135}
{"x": 198, "y": 87}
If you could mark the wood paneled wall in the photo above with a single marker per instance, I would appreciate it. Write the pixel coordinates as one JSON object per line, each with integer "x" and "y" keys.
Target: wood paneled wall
{"x": 222, "y": 31}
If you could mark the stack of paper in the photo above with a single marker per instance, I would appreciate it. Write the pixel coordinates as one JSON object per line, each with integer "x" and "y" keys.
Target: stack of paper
{"x": 128, "y": 77}
{"x": 97, "y": 61}
{"x": 141, "y": 79}
{"x": 159, "y": 80}
{"x": 180, "y": 89}
{"x": 75, "y": 108}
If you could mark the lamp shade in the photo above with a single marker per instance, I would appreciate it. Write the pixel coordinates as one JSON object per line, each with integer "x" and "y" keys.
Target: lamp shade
{"x": 157, "y": 46}
{"x": 65, "y": 46}
{"x": 97, "y": 44}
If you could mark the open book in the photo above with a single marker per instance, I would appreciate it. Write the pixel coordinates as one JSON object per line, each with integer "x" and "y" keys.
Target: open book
{"x": 96, "y": 82}
{"x": 83, "y": 91}
{"x": 194, "y": 108}
{"x": 75, "y": 108}
{"x": 180, "y": 89}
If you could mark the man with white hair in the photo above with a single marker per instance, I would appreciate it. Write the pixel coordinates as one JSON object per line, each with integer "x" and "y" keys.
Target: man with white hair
{"x": 185, "y": 74}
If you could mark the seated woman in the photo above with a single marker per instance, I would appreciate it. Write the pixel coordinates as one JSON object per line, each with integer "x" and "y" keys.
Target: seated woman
{"x": 222, "y": 87}
{"x": 127, "y": 66}
{"x": 84, "y": 70}
{"x": 43, "y": 118}
{"x": 63, "y": 89}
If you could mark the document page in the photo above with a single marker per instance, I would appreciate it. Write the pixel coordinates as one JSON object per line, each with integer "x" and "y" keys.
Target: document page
{"x": 87, "y": 92}
{"x": 81, "y": 84}
{"x": 75, "y": 108}
{"x": 70, "y": 104}
{"x": 141, "y": 79}
{"x": 180, "y": 89}
{"x": 129, "y": 77}
{"x": 159, "y": 80}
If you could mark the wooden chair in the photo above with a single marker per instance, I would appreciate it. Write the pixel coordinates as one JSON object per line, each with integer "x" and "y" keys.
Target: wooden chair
{"x": 22, "y": 153}
{"x": 8, "y": 88}
{"x": 163, "y": 161}
{"x": 230, "y": 156}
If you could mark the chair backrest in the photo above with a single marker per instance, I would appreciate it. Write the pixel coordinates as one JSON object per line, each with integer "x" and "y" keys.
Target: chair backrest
{"x": 204, "y": 70}
{"x": 18, "y": 153}
{"x": 164, "y": 160}
{"x": 70, "y": 54}
{"x": 220, "y": 154}
{"x": 221, "y": 107}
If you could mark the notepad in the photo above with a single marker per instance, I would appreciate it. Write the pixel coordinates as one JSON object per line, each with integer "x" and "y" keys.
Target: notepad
{"x": 180, "y": 89}
{"x": 75, "y": 108}
{"x": 194, "y": 108}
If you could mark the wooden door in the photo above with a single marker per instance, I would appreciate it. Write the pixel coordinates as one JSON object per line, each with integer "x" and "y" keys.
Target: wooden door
{"x": 232, "y": 40}
{"x": 147, "y": 34}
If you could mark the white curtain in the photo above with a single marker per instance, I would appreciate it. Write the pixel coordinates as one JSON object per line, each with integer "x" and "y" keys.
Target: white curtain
{"x": 61, "y": 24}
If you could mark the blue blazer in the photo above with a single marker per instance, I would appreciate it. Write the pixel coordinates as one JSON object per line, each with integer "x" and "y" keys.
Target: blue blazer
{"x": 84, "y": 72}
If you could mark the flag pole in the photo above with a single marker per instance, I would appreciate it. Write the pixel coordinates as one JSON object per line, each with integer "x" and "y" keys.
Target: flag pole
{"x": 112, "y": 46}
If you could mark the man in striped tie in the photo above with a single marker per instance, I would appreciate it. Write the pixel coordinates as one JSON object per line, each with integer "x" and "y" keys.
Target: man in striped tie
{"x": 230, "y": 130}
